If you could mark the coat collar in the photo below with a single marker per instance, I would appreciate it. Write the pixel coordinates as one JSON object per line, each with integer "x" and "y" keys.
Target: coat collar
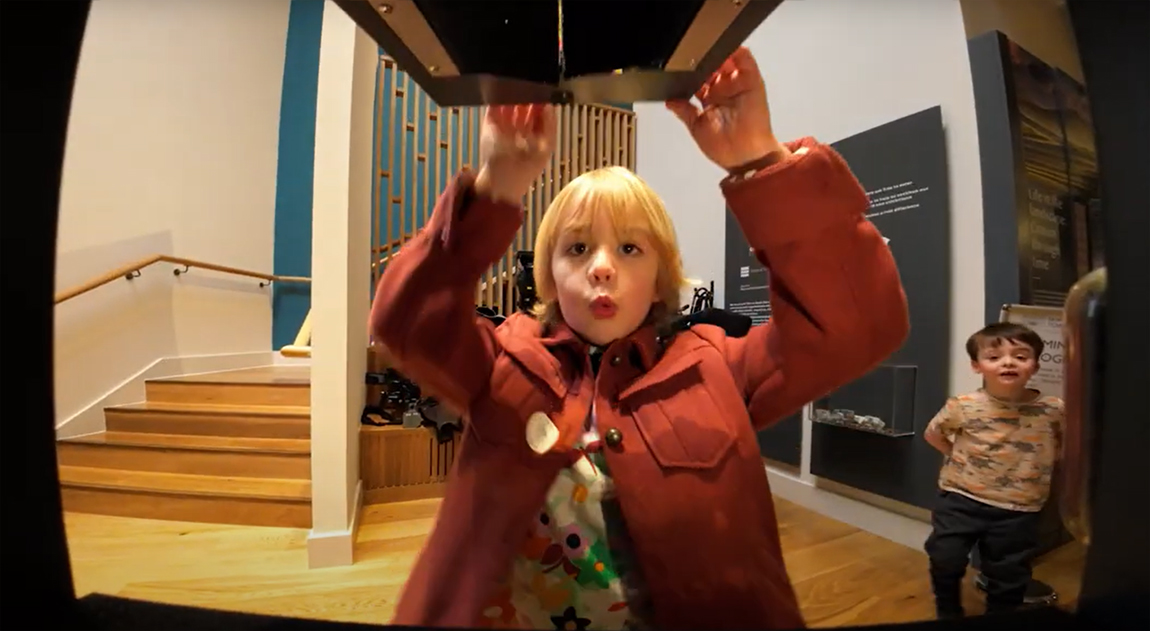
{"x": 645, "y": 344}
{"x": 533, "y": 346}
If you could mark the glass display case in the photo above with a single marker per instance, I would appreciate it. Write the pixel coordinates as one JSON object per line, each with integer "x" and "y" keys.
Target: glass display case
{"x": 880, "y": 402}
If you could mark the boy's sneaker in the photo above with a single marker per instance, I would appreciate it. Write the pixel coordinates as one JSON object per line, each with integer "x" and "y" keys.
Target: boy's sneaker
{"x": 1037, "y": 592}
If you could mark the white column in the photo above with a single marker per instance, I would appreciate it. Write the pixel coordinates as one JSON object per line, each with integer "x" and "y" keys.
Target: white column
{"x": 341, "y": 276}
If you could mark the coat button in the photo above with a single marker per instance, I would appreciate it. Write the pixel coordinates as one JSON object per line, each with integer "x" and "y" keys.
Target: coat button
{"x": 616, "y": 360}
{"x": 614, "y": 437}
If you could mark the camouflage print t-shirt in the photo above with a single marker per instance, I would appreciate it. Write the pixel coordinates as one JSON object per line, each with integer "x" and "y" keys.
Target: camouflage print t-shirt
{"x": 1004, "y": 452}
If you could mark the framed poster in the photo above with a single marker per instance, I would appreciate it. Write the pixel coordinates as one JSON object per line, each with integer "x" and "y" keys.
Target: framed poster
{"x": 1041, "y": 213}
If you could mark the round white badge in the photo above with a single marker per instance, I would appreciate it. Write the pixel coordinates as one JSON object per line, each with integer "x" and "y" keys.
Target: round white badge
{"x": 541, "y": 433}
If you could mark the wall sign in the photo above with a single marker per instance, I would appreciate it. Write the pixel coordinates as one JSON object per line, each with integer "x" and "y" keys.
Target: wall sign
{"x": 748, "y": 283}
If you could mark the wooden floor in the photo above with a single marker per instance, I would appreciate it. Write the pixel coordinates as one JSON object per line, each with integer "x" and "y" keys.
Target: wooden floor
{"x": 843, "y": 576}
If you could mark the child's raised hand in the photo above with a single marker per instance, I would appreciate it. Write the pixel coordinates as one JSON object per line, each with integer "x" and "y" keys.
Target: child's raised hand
{"x": 515, "y": 145}
{"x": 733, "y": 127}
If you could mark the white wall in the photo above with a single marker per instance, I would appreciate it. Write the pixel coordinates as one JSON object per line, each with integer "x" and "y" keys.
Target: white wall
{"x": 171, "y": 149}
{"x": 835, "y": 68}
{"x": 341, "y": 275}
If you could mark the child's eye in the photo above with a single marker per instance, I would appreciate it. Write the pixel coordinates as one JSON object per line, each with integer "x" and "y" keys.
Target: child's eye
{"x": 629, "y": 248}
{"x": 577, "y": 248}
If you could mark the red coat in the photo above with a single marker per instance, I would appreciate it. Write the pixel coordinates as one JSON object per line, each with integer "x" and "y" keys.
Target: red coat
{"x": 688, "y": 471}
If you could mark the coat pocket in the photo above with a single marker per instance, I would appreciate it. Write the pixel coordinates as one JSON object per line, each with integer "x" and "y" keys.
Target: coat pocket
{"x": 515, "y": 394}
{"x": 686, "y": 430}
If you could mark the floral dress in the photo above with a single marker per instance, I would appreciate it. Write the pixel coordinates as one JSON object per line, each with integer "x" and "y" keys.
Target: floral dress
{"x": 575, "y": 570}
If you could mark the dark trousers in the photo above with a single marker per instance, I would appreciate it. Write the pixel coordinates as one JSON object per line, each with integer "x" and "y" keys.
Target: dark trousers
{"x": 1007, "y": 541}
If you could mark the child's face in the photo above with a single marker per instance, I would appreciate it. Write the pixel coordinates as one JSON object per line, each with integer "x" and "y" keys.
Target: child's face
{"x": 606, "y": 282}
{"x": 1007, "y": 366}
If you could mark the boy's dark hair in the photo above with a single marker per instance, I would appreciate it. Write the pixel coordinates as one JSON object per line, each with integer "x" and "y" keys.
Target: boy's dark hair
{"x": 995, "y": 334}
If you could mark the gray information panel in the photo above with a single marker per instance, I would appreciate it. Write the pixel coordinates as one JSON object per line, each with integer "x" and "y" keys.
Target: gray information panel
{"x": 747, "y": 292}
{"x": 867, "y": 437}
{"x": 902, "y": 166}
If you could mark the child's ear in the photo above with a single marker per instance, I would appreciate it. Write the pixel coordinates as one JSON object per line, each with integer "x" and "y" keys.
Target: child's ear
{"x": 974, "y": 366}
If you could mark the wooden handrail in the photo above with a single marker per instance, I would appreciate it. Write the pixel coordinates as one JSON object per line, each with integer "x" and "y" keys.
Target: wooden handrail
{"x": 301, "y": 346}
{"x": 132, "y": 270}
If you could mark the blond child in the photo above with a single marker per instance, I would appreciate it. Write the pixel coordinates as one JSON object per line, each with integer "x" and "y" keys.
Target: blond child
{"x": 609, "y": 475}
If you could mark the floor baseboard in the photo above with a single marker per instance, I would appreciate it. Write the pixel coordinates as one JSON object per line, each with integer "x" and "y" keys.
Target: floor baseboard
{"x": 908, "y": 531}
{"x": 334, "y": 549}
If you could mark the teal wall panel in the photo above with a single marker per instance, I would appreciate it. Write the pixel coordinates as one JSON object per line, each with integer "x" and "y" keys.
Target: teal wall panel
{"x": 294, "y": 170}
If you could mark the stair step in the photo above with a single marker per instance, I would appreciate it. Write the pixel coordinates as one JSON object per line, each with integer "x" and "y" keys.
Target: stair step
{"x": 187, "y": 483}
{"x": 251, "y": 421}
{"x": 264, "y": 386}
{"x": 189, "y": 453}
{"x": 199, "y": 443}
{"x": 187, "y": 497}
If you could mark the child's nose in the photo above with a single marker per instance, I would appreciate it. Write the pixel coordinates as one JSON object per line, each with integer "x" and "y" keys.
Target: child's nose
{"x": 602, "y": 269}
{"x": 602, "y": 273}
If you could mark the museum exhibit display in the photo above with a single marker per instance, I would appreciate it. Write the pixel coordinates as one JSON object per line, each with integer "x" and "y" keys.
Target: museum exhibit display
{"x": 864, "y": 433}
{"x": 1040, "y": 184}
{"x": 880, "y": 402}
{"x": 456, "y": 49}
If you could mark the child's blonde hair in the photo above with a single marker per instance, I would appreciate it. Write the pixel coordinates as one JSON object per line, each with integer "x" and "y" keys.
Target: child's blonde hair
{"x": 630, "y": 204}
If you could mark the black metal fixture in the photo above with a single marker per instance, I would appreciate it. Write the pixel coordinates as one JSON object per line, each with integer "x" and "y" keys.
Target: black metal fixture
{"x": 474, "y": 52}
{"x": 703, "y": 299}
{"x": 702, "y": 311}
{"x": 525, "y": 279}
{"x": 401, "y": 402}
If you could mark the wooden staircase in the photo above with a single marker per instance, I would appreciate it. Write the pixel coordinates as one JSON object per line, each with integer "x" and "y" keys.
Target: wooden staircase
{"x": 229, "y": 447}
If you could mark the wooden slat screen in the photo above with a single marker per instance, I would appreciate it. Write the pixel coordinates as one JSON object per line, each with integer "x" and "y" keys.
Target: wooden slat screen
{"x": 419, "y": 146}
